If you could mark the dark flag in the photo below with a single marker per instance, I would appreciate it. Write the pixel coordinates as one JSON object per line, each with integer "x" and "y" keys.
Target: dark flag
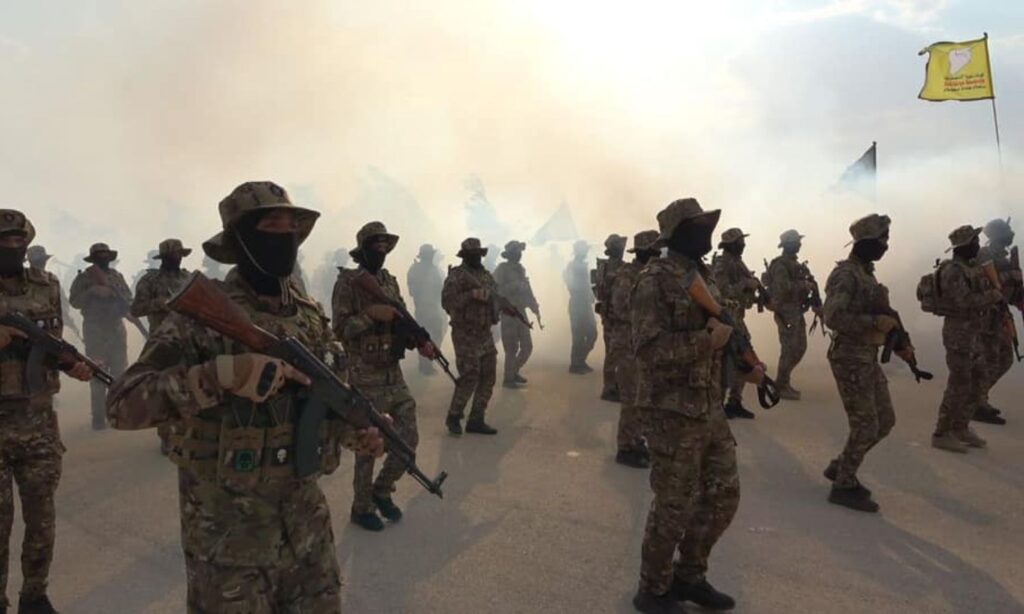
{"x": 861, "y": 177}
{"x": 559, "y": 227}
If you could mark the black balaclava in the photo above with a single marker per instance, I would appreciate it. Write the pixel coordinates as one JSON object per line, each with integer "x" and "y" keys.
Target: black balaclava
{"x": 266, "y": 259}
{"x": 171, "y": 264}
{"x": 473, "y": 260}
{"x": 615, "y": 252}
{"x": 643, "y": 256}
{"x": 791, "y": 249}
{"x": 12, "y": 260}
{"x": 871, "y": 250}
{"x": 514, "y": 256}
{"x": 969, "y": 251}
{"x": 369, "y": 258}
{"x": 691, "y": 239}
{"x": 103, "y": 260}
{"x": 736, "y": 248}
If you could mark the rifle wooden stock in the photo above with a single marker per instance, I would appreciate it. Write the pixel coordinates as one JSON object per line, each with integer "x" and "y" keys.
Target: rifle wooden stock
{"x": 1009, "y": 323}
{"x": 203, "y": 301}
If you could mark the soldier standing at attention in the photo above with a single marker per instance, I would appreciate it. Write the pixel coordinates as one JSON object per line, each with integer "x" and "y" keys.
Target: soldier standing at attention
{"x": 37, "y": 259}
{"x": 425, "y": 281}
{"x": 693, "y": 454}
{"x": 467, "y": 298}
{"x": 581, "y": 315}
{"x": 514, "y": 285}
{"x": 789, "y": 286}
{"x": 632, "y": 447}
{"x": 151, "y": 294}
{"x": 30, "y": 444}
{"x": 256, "y": 537}
{"x": 969, "y": 304}
{"x": 367, "y": 329}
{"x": 601, "y": 279}
{"x": 103, "y": 297}
{"x": 857, "y": 310}
{"x": 739, "y": 289}
{"x": 997, "y": 346}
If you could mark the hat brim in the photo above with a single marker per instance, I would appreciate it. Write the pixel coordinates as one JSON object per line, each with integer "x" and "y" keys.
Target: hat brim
{"x": 463, "y": 252}
{"x": 219, "y": 248}
{"x": 91, "y": 257}
{"x": 975, "y": 235}
{"x": 707, "y": 218}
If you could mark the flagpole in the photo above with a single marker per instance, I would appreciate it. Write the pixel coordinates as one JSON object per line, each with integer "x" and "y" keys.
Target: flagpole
{"x": 995, "y": 114}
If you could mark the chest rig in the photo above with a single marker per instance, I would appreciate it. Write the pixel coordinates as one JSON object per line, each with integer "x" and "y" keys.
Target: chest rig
{"x": 38, "y": 299}
{"x": 376, "y": 347}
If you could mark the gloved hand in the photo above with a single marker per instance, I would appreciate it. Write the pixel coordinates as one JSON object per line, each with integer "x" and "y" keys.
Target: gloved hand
{"x": 382, "y": 313}
{"x": 8, "y": 334}
{"x": 756, "y": 375}
{"x": 369, "y": 442}
{"x": 428, "y": 350}
{"x": 720, "y": 333}
{"x": 256, "y": 377}
{"x": 80, "y": 371}
{"x": 480, "y": 294}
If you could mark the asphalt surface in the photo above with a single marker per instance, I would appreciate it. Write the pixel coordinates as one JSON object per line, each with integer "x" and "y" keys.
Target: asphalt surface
{"x": 540, "y": 518}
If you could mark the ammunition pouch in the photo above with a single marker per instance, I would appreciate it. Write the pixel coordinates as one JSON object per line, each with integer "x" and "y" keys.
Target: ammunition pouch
{"x": 377, "y": 349}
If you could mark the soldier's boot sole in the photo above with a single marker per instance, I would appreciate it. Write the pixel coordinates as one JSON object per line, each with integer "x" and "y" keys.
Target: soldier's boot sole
{"x": 387, "y": 508}
{"x": 948, "y": 443}
{"x": 454, "y": 425}
{"x": 852, "y": 498}
{"x": 656, "y": 604}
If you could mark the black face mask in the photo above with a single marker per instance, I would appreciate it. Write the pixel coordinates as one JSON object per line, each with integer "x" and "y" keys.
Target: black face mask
{"x": 170, "y": 264}
{"x": 791, "y": 249}
{"x": 267, "y": 258}
{"x": 968, "y": 252}
{"x": 12, "y": 260}
{"x": 615, "y": 253}
{"x": 514, "y": 257}
{"x": 692, "y": 240}
{"x": 102, "y": 262}
{"x": 735, "y": 248}
{"x": 645, "y": 256}
{"x": 870, "y": 250}
{"x": 371, "y": 259}
{"x": 473, "y": 261}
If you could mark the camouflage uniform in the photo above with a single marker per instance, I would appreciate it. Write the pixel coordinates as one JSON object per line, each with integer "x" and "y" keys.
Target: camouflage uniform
{"x": 475, "y": 355}
{"x": 424, "y": 281}
{"x": 37, "y": 258}
{"x": 581, "y": 315}
{"x": 30, "y": 444}
{"x": 618, "y": 319}
{"x": 256, "y": 538}
{"x": 738, "y": 287}
{"x": 997, "y": 346}
{"x": 373, "y": 368}
{"x": 601, "y": 279}
{"x": 854, "y": 300}
{"x": 788, "y": 288}
{"x": 970, "y": 305}
{"x": 103, "y": 316}
{"x": 513, "y": 284}
{"x": 693, "y": 472}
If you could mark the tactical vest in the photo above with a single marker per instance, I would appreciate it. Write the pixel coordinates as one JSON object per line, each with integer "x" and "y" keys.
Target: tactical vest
{"x": 375, "y": 347}
{"x": 39, "y": 302}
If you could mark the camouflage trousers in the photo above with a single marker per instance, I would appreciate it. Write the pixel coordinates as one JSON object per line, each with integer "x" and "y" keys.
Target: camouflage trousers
{"x": 613, "y": 356}
{"x": 734, "y": 394}
{"x": 964, "y": 387}
{"x": 477, "y": 363}
{"x": 584, "y": 332}
{"x": 696, "y": 493}
{"x": 864, "y": 391}
{"x": 793, "y": 342}
{"x": 399, "y": 404}
{"x": 997, "y": 356}
{"x": 630, "y": 430}
{"x": 517, "y": 344}
{"x": 309, "y": 586}
{"x": 30, "y": 456}
{"x": 108, "y": 346}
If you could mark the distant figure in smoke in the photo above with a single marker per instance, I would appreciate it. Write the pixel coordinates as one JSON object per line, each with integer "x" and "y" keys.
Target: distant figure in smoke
{"x": 514, "y": 285}
{"x": 103, "y": 297}
{"x": 152, "y": 262}
{"x": 790, "y": 285}
{"x": 581, "y": 314}
{"x": 425, "y": 282}
{"x": 37, "y": 259}
{"x": 997, "y": 346}
{"x": 298, "y": 276}
{"x": 213, "y": 269}
{"x": 326, "y": 274}
{"x": 602, "y": 278}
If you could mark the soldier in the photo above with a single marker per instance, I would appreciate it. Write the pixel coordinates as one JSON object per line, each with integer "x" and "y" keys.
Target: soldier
{"x": 466, "y": 297}
{"x": 30, "y": 444}
{"x": 514, "y": 285}
{"x": 152, "y": 262}
{"x": 997, "y": 346}
{"x": 632, "y": 447}
{"x": 969, "y": 305}
{"x": 103, "y": 297}
{"x": 857, "y": 310}
{"x": 678, "y": 351}
{"x": 601, "y": 279}
{"x": 212, "y": 268}
{"x": 256, "y": 538}
{"x": 151, "y": 294}
{"x": 327, "y": 273}
{"x": 739, "y": 289}
{"x": 369, "y": 331}
{"x": 37, "y": 259}
{"x": 788, "y": 282}
{"x": 425, "y": 281}
{"x": 581, "y": 316}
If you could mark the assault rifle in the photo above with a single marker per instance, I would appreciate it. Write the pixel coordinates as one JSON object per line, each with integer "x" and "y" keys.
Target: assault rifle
{"x": 201, "y": 300}
{"x": 813, "y": 300}
{"x": 896, "y": 340}
{"x": 1011, "y": 326}
{"x": 739, "y": 353}
{"x": 408, "y": 330}
{"x": 46, "y": 345}
{"x": 503, "y": 305}
{"x": 101, "y": 278}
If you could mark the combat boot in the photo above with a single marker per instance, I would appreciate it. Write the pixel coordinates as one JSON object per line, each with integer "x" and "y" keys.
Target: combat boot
{"x": 949, "y": 442}
{"x": 454, "y": 425}
{"x": 856, "y": 498}
{"x": 480, "y": 428}
{"x": 788, "y": 392}
{"x": 35, "y": 605}
{"x": 368, "y": 520}
{"x": 735, "y": 409}
{"x": 833, "y": 470}
{"x": 611, "y": 395}
{"x": 656, "y": 604}
{"x": 633, "y": 458}
{"x": 970, "y": 438}
{"x": 988, "y": 415}
{"x": 387, "y": 508}
{"x": 519, "y": 379}
{"x": 510, "y": 383}
{"x": 703, "y": 594}
{"x": 580, "y": 369}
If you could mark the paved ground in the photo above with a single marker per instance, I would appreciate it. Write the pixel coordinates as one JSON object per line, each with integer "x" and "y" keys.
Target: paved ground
{"x": 539, "y": 519}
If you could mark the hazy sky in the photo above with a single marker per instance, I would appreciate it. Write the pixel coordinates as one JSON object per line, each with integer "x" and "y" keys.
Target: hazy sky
{"x": 128, "y": 121}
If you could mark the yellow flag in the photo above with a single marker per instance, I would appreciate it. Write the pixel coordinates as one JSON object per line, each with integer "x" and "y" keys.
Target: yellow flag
{"x": 958, "y": 71}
